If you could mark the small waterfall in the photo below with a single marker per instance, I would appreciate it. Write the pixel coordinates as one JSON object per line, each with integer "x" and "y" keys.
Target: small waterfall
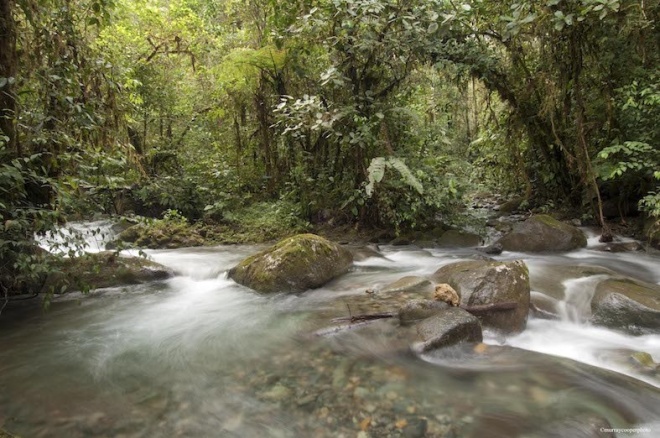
{"x": 578, "y": 292}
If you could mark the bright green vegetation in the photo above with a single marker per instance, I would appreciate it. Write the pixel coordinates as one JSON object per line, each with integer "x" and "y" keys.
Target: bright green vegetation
{"x": 377, "y": 113}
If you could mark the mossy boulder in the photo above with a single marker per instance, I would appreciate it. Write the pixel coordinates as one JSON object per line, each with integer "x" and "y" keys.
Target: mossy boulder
{"x": 627, "y": 304}
{"x": 105, "y": 269}
{"x": 301, "y": 262}
{"x": 491, "y": 282}
{"x": 542, "y": 233}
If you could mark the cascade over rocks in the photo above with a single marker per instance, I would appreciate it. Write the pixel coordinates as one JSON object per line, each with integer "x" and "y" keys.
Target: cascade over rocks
{"x": 543, "y": 233}
{"x": 295, "y": 264}
{"x": 491, "y": 282}
{"x": 627, "y": 304}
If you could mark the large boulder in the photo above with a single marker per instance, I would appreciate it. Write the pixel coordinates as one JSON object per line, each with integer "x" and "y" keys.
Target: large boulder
{"x": 480, "y": 283}
{"x": 627, "y": 304}
{"x": 543, "y": 233}
{"x": 295, "y": 264}
{"x": 447, "y": 327}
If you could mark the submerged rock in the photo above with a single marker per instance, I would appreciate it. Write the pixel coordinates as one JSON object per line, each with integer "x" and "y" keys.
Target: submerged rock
{"x": 481, "y": 283}
{"x": 301, "y": 262}
{"x": 543, "y": 233}
{"x": 627, "y": 304}
{"x": 447, "y": 327}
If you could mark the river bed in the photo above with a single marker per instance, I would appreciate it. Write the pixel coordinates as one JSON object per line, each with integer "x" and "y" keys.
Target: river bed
{"x": 200, "y": 356}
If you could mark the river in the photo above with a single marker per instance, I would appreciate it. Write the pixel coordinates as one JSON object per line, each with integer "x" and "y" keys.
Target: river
{"x": 200, "y": 356}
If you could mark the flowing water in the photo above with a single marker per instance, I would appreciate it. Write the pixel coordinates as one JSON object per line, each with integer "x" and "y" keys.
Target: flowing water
{"x": 200, "y": 356}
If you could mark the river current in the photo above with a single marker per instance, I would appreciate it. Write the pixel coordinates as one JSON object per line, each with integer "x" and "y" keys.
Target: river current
{"x": 201, "y": 356}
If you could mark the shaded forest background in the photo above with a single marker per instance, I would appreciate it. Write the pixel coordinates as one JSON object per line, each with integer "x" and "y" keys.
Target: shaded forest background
{"x": 382, "y": 113}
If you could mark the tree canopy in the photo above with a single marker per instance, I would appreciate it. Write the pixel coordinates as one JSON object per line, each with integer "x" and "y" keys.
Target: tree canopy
{"x": 377, "y": 112}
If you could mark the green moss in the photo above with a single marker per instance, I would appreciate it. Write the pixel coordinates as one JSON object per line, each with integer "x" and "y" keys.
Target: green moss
{"x": 548, "y": 220}
{"x": 292, "y": 265}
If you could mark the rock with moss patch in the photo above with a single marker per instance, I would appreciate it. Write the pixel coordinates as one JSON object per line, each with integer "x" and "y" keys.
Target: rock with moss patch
{"x": 627, "y": 304}
{"x": 491, "y": 283}
{"x": 301, "y": 262}
{"x": 104, "y": 269}
{"x": 543, "y": 233}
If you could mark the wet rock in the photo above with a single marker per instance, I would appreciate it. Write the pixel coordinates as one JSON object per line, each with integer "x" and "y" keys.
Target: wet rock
{"x": 545, "y": 280}
{"x": 494, "y": 249}
{"x": 446, "y": 328}
{"x": 542, "y": 233}
{"x": 417, "y": 310}
{"x": 365, "y": 252}
{"x": 458, "y": 239}
{"x": 408, "y": 283}
{"x": 543, "y": 306}
{"x": 491, "y": 283}
{"x": 627, "y": 304}
{"x": 301, "y": 262}
{"x": 416, "y": 428}
{"x": 447, "y": 294}
{"x": 104, "y": 269}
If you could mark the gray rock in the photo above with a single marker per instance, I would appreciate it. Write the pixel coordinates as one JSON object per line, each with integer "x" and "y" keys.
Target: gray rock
{"x": 494, "y": 249}
{"x": 542, "y": 233}
{"x": 448, "y": 327}
{"x": 416, "y": 428}
{"x": 301, "y": 262}
{"x": 487, "y": 282}
{"x": 417, "y": 310}
{"x": 627, "y": 304}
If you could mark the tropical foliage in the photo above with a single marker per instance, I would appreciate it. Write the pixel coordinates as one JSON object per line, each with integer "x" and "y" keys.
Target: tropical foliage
{"x": 380, "y": 112}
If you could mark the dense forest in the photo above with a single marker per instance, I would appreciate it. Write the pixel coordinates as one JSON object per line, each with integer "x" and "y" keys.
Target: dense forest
{"x": 369, "y": 113}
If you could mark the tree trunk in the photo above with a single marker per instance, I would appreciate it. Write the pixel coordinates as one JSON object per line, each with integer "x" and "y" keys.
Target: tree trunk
{"x": 7, "y": 75}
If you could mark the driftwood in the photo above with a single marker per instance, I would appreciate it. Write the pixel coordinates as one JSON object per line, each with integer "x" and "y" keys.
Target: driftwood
{"x": 480, "y": 308}
{"x": 364, "y": 317}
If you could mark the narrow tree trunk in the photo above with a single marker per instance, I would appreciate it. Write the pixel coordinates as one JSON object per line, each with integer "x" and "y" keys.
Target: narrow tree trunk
{"x": 7, "y": 75}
